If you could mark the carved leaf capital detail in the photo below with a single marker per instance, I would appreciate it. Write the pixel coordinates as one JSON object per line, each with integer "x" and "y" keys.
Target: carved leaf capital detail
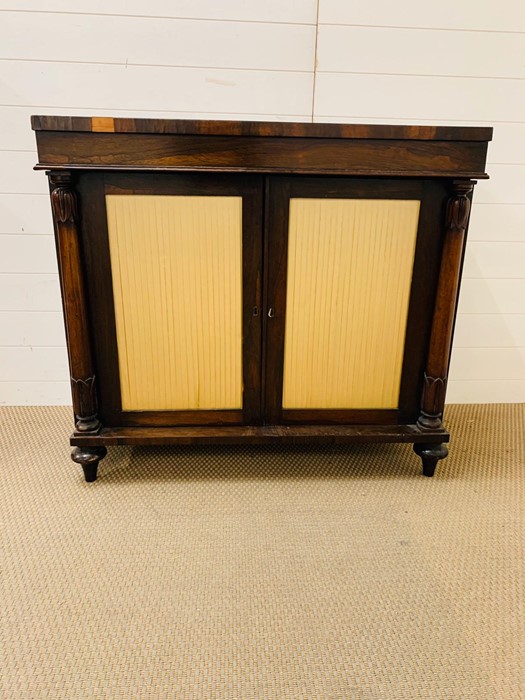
{"x": 87, "y": 381}
{"x": 85, "y": 404}
{"x": 458, "y": 211}
{"x": 433, "y": 398}
{"x": 64, "y": 203}
{"x": 458, "y": 208}
{"x": 430, "y": 381}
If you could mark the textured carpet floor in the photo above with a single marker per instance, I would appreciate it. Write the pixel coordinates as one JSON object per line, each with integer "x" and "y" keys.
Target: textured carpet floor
{"x": 237, "y": 573}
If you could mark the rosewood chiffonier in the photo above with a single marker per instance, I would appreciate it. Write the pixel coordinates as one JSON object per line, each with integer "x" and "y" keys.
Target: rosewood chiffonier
{"x": 249, "y": 282}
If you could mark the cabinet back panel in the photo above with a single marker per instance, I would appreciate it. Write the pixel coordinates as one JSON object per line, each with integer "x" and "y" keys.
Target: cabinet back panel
{"x": 350, "y": 265}
{"x": 176, "y": 266}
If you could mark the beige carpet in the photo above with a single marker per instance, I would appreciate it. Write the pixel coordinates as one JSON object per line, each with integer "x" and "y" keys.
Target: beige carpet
{"x": 238, "y": 573}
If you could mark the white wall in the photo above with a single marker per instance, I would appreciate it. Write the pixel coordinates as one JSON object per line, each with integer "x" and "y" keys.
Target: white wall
{"x": 324, "y": 60}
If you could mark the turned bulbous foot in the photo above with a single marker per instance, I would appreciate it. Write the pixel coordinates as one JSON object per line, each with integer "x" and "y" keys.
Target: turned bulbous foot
{"x": 88, "y": 458}
{"x": 430, "y": 456}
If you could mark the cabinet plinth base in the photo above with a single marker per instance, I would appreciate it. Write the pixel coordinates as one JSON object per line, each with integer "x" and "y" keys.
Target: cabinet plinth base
{"x": 90, "y": 449}
{"x": 261, "y": 435}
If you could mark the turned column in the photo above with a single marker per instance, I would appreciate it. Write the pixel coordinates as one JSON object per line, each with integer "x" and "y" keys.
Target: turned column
{"x": 83, "y": 385}
{"x": 65, "y": 215}
{"x": 436, "y": 372}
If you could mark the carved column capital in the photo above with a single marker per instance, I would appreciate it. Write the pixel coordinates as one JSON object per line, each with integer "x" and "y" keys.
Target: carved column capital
{"x": 458, "y": 206}
{"x": 434, "y": 389}
{"x": 64, "y": 202}
{"x": 85, "y": 404}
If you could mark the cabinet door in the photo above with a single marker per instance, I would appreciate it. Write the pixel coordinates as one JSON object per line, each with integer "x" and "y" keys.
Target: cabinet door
{"x": 173, "y": 266}
{"x": 352, "y": 273}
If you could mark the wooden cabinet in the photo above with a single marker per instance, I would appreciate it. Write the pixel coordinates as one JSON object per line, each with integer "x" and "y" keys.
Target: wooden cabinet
{"x": 234, "y": 282}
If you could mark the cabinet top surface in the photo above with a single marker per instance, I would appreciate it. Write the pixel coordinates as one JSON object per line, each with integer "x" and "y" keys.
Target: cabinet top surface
{"x": 129, "y": 125}
{"x": 113, "y": 143}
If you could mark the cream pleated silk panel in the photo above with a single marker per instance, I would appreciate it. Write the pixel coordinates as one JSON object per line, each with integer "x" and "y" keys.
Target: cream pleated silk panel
{"x": 349, "y": 275}
{"x": 176, "y": 264}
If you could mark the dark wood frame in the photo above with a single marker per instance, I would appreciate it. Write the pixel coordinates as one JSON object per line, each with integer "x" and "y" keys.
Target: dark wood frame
{"x": 432, "y": 195}
{"x": 92, "y": 188}
{"x": 439, "y": 162}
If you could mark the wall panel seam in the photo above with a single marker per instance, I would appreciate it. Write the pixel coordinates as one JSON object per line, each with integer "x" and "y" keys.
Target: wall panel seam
{"x": 316, "y": 48}
{"x": 280, "y": 114}
{"x": 156, "y": 17}
{"x": 128, "y": 64}
{"x": 419, "y": 29}
{"x": 34, "y": 381}
{"x": 447, "y": 76}
{"x": 163, "y": 111}
{"x": 407, "y": 120}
